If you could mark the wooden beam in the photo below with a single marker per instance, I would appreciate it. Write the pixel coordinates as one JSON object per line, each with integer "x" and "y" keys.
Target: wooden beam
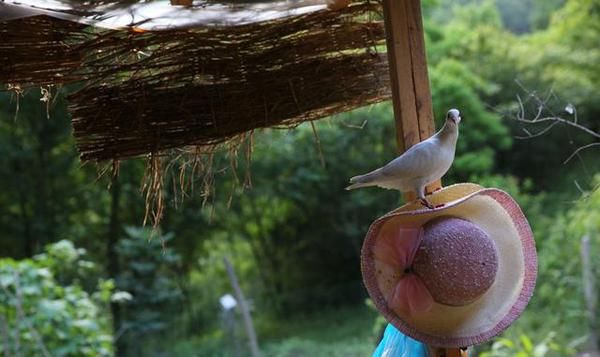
{"x": 448, "y": 352}
{"x": 186, "y": 3}
{"x": 413, "y": 110}
{"x": 400, "y": 63}
{"x": 239, "y": 295}
{"x": 335, "y": 5}
{"x": 416, "y": 37}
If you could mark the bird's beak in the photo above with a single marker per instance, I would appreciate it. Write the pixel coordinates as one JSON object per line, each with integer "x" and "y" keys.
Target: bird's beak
{"x": 455, "y": 119}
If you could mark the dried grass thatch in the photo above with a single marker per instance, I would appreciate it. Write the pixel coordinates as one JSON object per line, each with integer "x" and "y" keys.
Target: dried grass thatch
{"x": 201, "y": 87}
{"x": 154, "y": 91}
{"x": 148, "y": 93}
{"x": 39, "y": 51}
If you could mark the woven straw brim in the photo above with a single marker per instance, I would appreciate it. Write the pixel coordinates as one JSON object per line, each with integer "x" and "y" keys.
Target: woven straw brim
{"x": 500, "y": 217}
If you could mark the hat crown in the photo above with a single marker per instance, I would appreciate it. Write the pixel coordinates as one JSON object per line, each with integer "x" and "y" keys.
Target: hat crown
{"x": 457, "y": 261}
{"x": 392, "y": 246}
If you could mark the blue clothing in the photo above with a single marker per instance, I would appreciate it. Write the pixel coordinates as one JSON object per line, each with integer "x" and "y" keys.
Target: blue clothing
{"x": 395, "y": 344}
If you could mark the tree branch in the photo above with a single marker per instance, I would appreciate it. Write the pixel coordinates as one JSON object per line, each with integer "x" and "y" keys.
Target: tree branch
{"x": 552, "y": 119}
{"x": 556, "y": 120}
{"x": 580, "y": 149}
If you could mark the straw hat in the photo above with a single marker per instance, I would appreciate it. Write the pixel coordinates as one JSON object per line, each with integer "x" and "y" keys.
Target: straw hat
{"x": 456, "y": 275}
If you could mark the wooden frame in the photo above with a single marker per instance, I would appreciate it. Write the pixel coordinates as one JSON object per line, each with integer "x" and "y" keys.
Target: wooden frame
{"x": 413, "y": 110}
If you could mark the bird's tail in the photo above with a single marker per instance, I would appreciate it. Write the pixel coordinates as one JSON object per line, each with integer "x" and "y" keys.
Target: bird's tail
{"x": 365, "y": 180}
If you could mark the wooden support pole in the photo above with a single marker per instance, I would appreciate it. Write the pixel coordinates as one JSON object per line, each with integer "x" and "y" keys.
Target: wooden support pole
{"x": 589, "y": 292}
{"x": 186, "y": 3}
{"x": 447, "y": 352}
{"x": 254, "y": 351}
{"x": 413, "y": 111}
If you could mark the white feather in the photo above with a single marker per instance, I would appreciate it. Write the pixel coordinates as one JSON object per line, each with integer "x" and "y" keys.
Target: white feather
{"x": 420, "y": 165}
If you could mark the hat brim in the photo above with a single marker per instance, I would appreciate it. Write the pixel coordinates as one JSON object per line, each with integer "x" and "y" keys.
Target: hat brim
{"x": 499, "y": 215}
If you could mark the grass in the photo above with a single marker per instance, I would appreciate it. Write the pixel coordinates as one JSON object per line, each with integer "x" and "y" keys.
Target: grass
{"x": 339, "y": 332}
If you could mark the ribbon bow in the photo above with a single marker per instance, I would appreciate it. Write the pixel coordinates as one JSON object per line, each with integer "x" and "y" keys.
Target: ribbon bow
{"x": 397, "y": 247}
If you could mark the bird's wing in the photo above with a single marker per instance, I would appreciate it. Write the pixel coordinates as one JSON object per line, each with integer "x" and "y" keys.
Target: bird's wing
{"x": 420, "y": 160}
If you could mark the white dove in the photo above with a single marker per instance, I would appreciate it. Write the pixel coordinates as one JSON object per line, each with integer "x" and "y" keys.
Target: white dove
{"x": 419, "y": 166}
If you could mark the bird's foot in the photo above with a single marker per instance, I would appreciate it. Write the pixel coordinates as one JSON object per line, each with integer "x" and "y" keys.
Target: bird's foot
{"x": 432, "y": 192}
{"x": 426, "y": 203}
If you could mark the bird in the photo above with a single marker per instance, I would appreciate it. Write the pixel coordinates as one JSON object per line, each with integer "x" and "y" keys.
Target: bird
{"x": 419, "y": 166}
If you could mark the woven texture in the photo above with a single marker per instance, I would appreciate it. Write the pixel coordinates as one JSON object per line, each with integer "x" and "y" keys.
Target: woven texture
{"x": 40, "y": 51}
{"x": 151, "y": 92}
{"x": 496, "y": 213}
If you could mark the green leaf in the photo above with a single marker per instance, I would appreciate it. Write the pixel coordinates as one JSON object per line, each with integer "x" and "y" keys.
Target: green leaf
{"x": 526, "y": 342}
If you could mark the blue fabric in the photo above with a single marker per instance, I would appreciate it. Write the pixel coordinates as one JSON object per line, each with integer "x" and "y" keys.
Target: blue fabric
{"x": 395, "y": 344}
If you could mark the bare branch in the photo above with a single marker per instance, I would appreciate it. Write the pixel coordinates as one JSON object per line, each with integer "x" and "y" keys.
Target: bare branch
{"x": 544, "y": 115}
{"x": 527, "y": 132}
{"x": 559, "y": 120}
{"x": 581, "y": 191}
{"x": 354, "y": 126}
{"x": 580, "y": 149}
{"x": 530, "y": 136}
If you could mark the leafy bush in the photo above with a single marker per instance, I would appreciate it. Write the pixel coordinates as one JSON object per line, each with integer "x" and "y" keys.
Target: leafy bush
{"x": 43, "y": 312}
{"x": 524, "y": 347}
{"x": 147, "y": 274}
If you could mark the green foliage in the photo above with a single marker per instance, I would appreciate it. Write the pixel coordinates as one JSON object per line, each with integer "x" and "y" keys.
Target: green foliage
{"x": 68, "y": 265}
{"x": 336, "y": 332}
{"x": 209, "y": 345}
{"x": 380, "y": 322}
{"x": 571, "y": 57}
{"x": 517, "y": 16}
{"x": 509, "y": 9}
{"x": 44, "y": 311}
{"x": 543, "y": 10}
{"x": 208, "y": 282}
{"x": 328, "y": 332}
{"x": 293, "y": 347}
{"x": 524, "y": 347}
{"x": 46, "y": 193}
{"x": 585, "y": 218}
{"x": 482, "y": 135}
{"x": 148, "y": 275}
{"x": 560, "y": 62}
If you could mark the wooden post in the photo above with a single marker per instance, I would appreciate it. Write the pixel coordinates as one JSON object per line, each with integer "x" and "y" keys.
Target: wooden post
{"x": 589, "y": 292}
{"x": 413, "y": 111}
{"x": 254, "y": 351}
{"x": 186, "y": 3}
{"x": 411, "y": 96}
{"x": 447, "y": 352}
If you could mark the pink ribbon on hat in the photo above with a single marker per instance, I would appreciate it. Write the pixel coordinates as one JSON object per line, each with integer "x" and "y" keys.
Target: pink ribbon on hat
{"x": 397, "y": 247}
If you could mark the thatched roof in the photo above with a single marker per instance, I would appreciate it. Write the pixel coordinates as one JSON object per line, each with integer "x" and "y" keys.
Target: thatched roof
{"x": 155, "y": 89}
{"x": 161, "y": 15}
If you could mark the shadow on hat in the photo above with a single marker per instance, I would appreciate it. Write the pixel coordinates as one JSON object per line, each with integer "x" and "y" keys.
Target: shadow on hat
{"x": 456, "y": 275}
